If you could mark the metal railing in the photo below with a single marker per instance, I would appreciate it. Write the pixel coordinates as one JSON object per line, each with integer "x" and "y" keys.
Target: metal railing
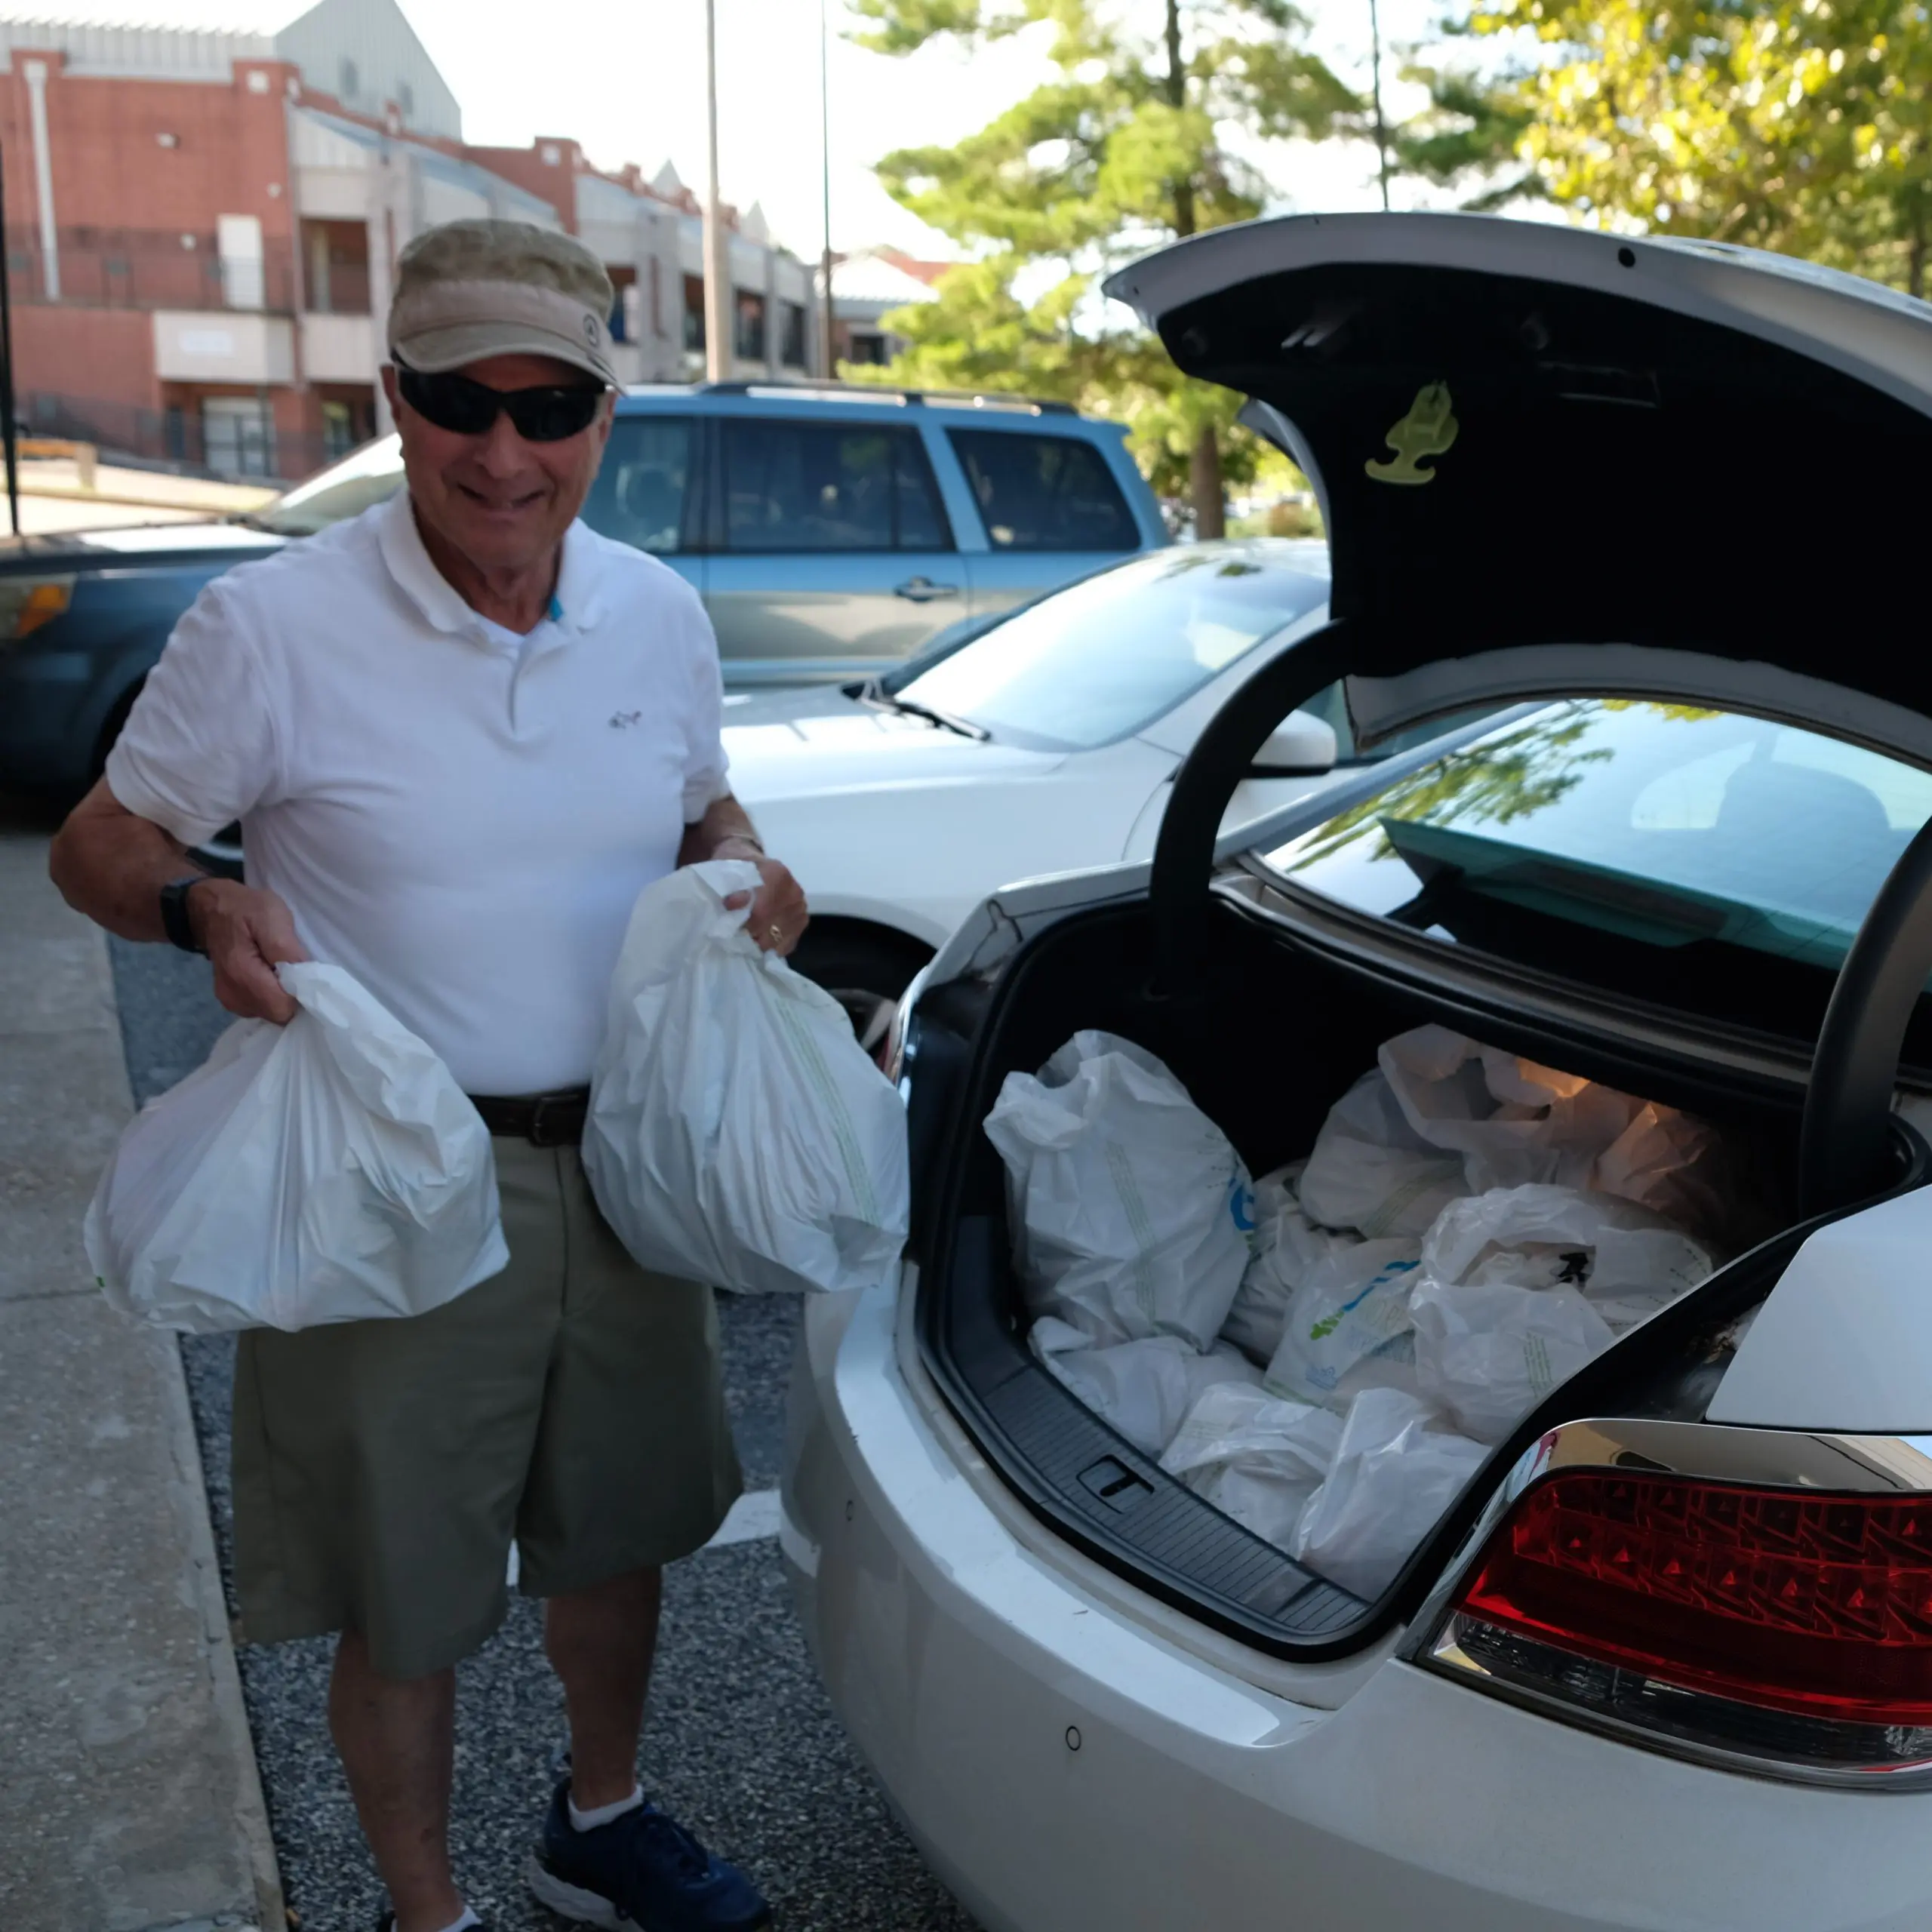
{"x": 128, "y": 268}
{"x": 176, "y": 439}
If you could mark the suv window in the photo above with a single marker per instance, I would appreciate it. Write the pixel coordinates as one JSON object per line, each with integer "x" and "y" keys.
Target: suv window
{"x": 638, "y": 496}
{"x": 1045, "y": 493}
{"x": 793, "y": 486}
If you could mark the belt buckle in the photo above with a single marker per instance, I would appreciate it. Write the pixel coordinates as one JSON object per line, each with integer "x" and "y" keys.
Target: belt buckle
{"x": 539, "y": 1135}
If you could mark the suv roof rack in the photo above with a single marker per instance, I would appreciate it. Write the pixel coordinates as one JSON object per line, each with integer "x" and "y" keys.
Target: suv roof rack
{"x": 993, "y": 399}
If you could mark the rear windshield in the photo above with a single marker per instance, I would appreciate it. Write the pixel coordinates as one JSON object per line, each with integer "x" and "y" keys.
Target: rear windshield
{"x": 1647, "y": 845}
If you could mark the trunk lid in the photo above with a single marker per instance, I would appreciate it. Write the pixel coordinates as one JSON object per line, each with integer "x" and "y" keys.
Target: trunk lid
{"x": 1521, "y": 433}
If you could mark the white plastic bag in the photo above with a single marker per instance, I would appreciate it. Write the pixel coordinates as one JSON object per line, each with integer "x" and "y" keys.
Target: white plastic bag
{"x": 1370, "y": 1170}
{"x": 1255, "y": 1456}
{"x": 1144, "y": 1388}
{"x": 1281, "y": 1232}
{"x": 1522, "y": 1286}
{"x": 1627, "y": 1261}
{"x": 1130, "y": 1210}
{"x": 1516, "y": 1123}
{"x": 1347, "y": 1326}
{"x": 328, "y": 1170}
{"x": 1489, "y": 1353}
{"x": 738, "y": 1133}
{"x": 1396, "y": 1470}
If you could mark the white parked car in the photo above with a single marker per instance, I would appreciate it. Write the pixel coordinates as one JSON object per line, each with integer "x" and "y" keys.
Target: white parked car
{"x": 1046, "y": 741}
{"x": 1665, "y": 1660}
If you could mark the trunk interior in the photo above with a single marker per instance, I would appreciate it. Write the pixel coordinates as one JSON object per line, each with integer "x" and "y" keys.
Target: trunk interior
{"x": 1283, "y": 1029}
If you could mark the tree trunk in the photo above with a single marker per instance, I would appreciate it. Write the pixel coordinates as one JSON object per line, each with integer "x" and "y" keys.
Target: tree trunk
{"x": 1204, "y": 487}
{"x": 1204, "y": 466}
{"x": 1176, "y": 91}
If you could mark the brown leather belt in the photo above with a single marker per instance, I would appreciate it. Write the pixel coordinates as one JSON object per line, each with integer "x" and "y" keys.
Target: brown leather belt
{"x": 544, "y": 1120}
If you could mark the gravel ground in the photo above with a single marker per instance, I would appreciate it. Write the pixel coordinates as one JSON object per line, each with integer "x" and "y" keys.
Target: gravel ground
{"x": 740, "y": 1741}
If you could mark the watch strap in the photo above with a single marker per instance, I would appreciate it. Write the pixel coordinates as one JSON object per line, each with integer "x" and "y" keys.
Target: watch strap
{"x": 174, "y": 920}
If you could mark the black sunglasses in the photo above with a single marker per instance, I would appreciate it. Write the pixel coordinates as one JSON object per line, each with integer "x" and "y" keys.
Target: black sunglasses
{"x": 465, "y": 408}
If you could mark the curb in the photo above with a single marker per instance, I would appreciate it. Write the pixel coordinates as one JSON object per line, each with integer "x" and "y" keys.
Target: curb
{"x": 252, "y": 1809}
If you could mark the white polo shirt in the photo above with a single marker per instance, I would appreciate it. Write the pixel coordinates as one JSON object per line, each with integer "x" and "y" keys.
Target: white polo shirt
{"x": 460, "y": 817}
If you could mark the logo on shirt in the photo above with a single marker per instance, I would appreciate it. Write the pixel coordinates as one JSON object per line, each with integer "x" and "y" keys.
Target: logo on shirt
{"x": 623, "y": 721}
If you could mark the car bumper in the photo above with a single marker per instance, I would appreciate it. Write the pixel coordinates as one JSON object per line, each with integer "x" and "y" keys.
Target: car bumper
{"x": 1064, "y": 1762}
{"x": 48, "y": 725}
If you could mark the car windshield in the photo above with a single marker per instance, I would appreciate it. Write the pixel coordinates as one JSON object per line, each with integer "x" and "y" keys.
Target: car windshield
{"x": 1670, "y": 835}
{"x": 1107, "y": 656}
{"x": 345, "y": 489}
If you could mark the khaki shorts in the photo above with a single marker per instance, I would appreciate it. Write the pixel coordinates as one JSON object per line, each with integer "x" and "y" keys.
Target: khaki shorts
{"x": 574, "y": 1402}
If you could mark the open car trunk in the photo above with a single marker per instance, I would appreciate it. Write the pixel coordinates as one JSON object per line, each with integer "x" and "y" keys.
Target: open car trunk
{"x": 1449, "y": 383}
{"x": 1291, "y": 1013}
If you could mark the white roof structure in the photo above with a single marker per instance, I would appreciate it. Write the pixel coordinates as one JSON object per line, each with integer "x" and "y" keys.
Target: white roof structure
{"x": 363, "y": 52}
{"x": 868, "y": 284}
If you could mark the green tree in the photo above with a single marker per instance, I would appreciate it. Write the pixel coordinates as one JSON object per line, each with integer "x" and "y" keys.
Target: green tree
{"x": 1804, "y": 126}
{"x": 1128, "y": 146}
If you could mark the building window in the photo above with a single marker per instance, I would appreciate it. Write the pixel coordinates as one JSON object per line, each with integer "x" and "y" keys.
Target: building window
{"x": 868, "y": 345}
{"x": 335, "y": 256}
{"x": 694, "y": 315}
{"x": 656, "y": 298}
{"x": 750, "y": 346}
{"x": 405, "y": 98}
{"x": 350, "y": 80}
{"x": 238, "y": 435}
{"x": 238, "y": 244}
{"x": 791, "y": 338}
{"x": 338, "y": 431}
{"x": 623, "y": 318}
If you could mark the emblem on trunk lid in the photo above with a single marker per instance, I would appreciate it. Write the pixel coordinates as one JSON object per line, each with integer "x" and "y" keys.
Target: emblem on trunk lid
{"x": 1428, "y": 429}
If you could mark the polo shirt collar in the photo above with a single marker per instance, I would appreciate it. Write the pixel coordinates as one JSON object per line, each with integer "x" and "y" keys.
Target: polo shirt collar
{"x": 574, "y": 608}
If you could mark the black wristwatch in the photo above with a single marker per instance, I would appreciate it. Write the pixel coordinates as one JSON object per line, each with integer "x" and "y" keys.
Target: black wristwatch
{"x": 174, "y": 919}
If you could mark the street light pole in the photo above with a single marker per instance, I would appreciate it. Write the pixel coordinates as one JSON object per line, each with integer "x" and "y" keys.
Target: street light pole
{"x": 718, "y": 317}
{"x": 7, "y": 426}
{"x": 1375, "y": 87}
{"x": 827, "y": 366}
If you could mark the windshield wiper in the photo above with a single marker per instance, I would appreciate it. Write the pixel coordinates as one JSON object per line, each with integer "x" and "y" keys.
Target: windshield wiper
{"x": 875, "y": 693}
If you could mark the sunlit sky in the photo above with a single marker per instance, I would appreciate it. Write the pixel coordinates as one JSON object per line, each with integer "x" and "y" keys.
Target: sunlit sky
{"x": 626, "y": 77}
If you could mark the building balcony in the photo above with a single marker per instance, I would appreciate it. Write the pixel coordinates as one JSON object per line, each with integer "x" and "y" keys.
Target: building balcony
{"x": 340, "y": 349}
{"x": 229, "y": 346}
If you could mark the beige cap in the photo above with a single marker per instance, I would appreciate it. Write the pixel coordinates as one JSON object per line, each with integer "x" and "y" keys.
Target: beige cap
{"x": 470, "y": 289}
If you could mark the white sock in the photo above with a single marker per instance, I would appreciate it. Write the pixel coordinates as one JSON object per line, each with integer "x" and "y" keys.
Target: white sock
{"x": 464, "y": 1922}
{"x": 602, "y": 1814}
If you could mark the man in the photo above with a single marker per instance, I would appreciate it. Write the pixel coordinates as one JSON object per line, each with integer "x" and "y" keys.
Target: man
{"x": 462, "y": 732}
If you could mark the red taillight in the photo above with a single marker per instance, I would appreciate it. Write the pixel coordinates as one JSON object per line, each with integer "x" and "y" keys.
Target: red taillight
{"x": 1790, "y": 1600}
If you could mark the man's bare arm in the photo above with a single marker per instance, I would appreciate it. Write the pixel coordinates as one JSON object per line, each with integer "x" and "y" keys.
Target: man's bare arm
{"x": 778, "y": 916}
{"x": 111, "y": 864}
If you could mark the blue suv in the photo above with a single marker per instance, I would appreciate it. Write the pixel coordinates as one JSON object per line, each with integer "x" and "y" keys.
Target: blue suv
{"x": 832, "y": 532}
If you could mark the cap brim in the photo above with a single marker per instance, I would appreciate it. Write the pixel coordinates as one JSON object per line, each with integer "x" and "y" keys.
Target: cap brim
{"x": 435, "y": 351}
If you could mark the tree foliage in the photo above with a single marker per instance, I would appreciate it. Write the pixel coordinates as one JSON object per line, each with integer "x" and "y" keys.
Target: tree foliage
{"x": 1127, "y": 146}
{"x": 1804, "y": 126}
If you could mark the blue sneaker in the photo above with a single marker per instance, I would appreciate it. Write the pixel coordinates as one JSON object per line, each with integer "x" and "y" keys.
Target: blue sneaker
{"x": 641, "y": 1872}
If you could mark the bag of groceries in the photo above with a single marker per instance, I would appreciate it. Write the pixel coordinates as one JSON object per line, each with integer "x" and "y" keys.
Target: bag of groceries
{"x": 331, "y": 1170}
{"x": 738, "y": 1133}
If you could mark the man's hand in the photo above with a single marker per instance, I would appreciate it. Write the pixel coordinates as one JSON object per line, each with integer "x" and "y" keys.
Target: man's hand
{"x": 247, "y": 932}
{"x": 778, "y": 916}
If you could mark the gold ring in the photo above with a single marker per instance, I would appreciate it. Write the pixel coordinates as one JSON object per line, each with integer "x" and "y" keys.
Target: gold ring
{"x": 778, "y": 933}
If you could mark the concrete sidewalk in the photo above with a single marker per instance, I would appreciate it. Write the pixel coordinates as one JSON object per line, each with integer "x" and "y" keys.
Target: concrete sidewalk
{"x": 129, "y": 1798}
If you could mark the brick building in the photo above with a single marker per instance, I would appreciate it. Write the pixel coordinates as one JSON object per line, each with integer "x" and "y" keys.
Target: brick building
{"x": 201, "y": 224}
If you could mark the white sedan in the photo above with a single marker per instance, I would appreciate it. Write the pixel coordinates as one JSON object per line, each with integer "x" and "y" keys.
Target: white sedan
{"x": 1653, "y": 1649}
{"x": 1046, "y": 741}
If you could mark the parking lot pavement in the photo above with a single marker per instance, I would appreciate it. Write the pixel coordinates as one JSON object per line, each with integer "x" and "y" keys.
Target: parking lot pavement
{"x": 740, "y": 1741}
